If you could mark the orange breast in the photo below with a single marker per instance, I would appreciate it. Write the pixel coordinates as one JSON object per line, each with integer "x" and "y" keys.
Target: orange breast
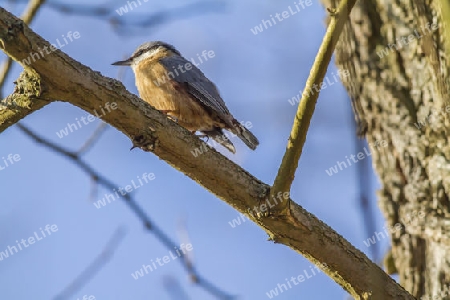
{"x": 156, "y": 88}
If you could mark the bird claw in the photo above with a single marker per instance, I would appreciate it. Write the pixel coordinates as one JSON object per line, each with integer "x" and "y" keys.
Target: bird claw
{"x": 203, "y": 136}
{"x": 144, "y": 143}
{"x": 166, "y": 112}
{"x": 173, "y": 118}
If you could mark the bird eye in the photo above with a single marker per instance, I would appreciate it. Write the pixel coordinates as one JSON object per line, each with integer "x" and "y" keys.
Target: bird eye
{"x": 139, "y": 53}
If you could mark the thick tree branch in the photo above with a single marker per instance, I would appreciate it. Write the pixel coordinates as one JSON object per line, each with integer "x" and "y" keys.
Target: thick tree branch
{"x": 27, "y": 16}
{"x": 5, "y": 69}
{"x": 25, "y": 100}
{"x": 62, "y": 78}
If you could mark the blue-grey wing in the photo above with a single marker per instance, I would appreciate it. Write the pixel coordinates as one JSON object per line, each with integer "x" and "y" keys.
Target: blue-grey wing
{"x": 196, "y": 83}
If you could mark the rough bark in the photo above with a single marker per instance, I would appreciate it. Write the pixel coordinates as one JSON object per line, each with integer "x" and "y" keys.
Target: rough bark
{"x": 396, "y": 91}
{"x": 58, "y": 77}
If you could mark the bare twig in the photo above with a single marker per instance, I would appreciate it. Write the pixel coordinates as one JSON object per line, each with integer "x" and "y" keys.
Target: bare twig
{"x": 174, "y": 288}
{"x": 140, "y": 23}
{"x": 122, "y": 16}
{"x": 184, "y": 238}
{"x": 94, "y": 267}
{"x": 305, "y": 110}
{"x": 94, "y": 189}
{"x": 132, "y": 204}
{"x": 93, "y": 138}
{"x": 363, "y": 189}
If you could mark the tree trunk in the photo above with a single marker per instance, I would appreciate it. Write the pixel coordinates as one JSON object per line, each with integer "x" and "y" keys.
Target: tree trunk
{"x": 394, "y": 51}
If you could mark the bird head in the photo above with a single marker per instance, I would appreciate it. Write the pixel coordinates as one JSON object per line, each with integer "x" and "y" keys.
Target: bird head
{"x": 148, "y": 51}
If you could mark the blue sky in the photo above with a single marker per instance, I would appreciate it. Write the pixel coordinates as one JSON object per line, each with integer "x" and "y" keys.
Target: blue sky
{"x": 256, "y": 75}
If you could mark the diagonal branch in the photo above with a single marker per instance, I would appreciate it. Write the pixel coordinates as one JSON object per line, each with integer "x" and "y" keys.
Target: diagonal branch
{"x": 24, "y": 100}
{"x": 93, "y": 138}
{"x": 60, "y": 77}
{"x": 297, "y": 138}
{"x": 136, "y": 209}
{"x": 87, "y": 274}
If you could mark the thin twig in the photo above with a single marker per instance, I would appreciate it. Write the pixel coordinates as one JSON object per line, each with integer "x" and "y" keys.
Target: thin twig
{"x": 305, "y": 110}
{"x": 134, "y": 206}
{"x": 174, "y": 288}
{"x": 94, "y": 189}
{"x": 92, "y": 139}
{"x": 140, "y": 23}
{"x": 117, "y": 13}
{"x": 98, "y": 263}
{"x": 363, "y": 188}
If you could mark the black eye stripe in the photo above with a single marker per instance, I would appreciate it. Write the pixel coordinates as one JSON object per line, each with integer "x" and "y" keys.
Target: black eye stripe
{"x": 139, "y": 53}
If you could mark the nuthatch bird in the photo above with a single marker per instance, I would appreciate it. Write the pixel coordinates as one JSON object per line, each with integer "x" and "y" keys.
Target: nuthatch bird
{"x": 176, "y": 87}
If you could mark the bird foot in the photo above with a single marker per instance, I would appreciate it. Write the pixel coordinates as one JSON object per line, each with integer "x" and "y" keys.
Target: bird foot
{"x": 166, "y": 112}
{"x": 202, "y": 136}
{"x": 144, "y": 143}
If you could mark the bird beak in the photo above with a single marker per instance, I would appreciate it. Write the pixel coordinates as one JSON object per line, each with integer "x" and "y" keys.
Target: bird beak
{"x": 123, "y": 62}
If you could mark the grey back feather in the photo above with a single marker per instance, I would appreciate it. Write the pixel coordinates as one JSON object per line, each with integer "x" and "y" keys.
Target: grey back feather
{"x": 198, "y": 85}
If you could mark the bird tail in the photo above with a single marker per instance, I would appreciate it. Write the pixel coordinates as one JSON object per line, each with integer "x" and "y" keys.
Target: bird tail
{"x": 245, "y": 135}
{"x": 217, "y": 135}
